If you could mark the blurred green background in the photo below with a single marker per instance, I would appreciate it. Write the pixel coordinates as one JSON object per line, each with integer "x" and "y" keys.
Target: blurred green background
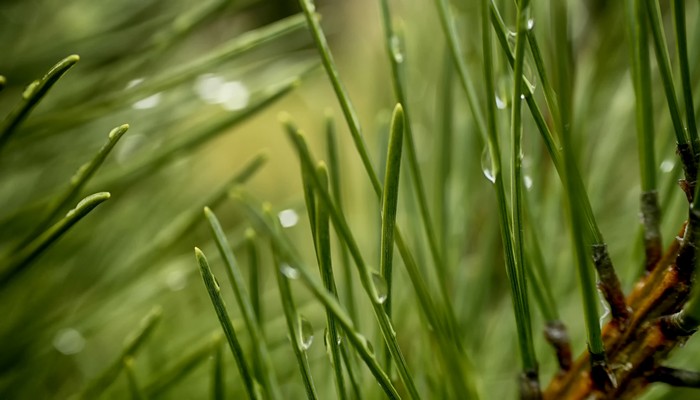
{"x": 64, "y": 319}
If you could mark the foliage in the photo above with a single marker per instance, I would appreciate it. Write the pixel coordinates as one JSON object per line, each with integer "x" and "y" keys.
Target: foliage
{"x": 452, "y": 247}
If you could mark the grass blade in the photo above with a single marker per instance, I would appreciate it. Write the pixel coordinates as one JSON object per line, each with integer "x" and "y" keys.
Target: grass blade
{"x": 220, "y": 308}
{"x": 393, "y": 42}
{"x": 134, "y": 388}
{"x": 170, "y": 375}
{"x": 450, "y": 32}
{"x": 390, "y": 199}
{"x": 334, "y": 172}
{"x": 254, "y": 279}
{"x": 323, "y": 249}
{"x": 516, "y": 131}
{"x": 21, "y": 259}
{"x": 240, "y": 291}
{"x": 218, "y": 383}
{"x": 32, "y": 95}
{"x": 343, "y": 98}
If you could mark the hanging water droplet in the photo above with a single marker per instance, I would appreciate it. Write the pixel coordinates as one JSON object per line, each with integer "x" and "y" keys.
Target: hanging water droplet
{"x": 396, "y": 51}
{"x": 234, "y": 96}
{"x": 30, "y": 90}
{"x": 310, "y": 5}
{"x": 510, "y": 38}
{"x": 306, "y": 333}
{"x": 487, "y": 165}
{"x": 288, "y": 218}
{"x": 667, "y": 166}
{"x": 148, "y": 102}
{"x": 381, "y": 289}
{"x": 501, "y": 104}
{"x": 367, "y": 344}
{"x": 528, "y": 182}
{"x": 289, "y": 271}
{"x": 68, "y": 341}
{"x": 134, "y": 83}
{"x": 529, "y": 73}
{"x": 530, "y": 24}
{"x": 176, "y": 280}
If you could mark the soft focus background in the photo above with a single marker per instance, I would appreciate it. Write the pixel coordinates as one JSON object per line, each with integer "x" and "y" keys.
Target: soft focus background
{"x": 63, "y": 321}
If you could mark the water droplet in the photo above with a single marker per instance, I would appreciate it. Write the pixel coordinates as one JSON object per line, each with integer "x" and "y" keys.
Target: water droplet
{"x": 207, "y": 87}
{"x": 530, "y": 24}
{"x": 510, "y": 38}
{"x": 288, "y": 218}
{"x": 306, "y": 333}
{"x": 529, "y": 73}
{"x": 367, "y": 344}
{"x": 30, "y": 90}
{"x": 148, "y": 102}
{"x": 528, "y": 182}
{"x": 667, "y": 166}
{"x": 289, "y": 271}
{"x": 396, "y": 51}
{"x": 381, "y": 289}
{"x": 487, "y": 165}
{"x": 68, "y": 341}
{"x": 501, "y": 104}
{"x": 234, "y": 96}
{"x": 134, "y": 82}
{"x": 310, "y": 5}
{"x": 176, "y": 280}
